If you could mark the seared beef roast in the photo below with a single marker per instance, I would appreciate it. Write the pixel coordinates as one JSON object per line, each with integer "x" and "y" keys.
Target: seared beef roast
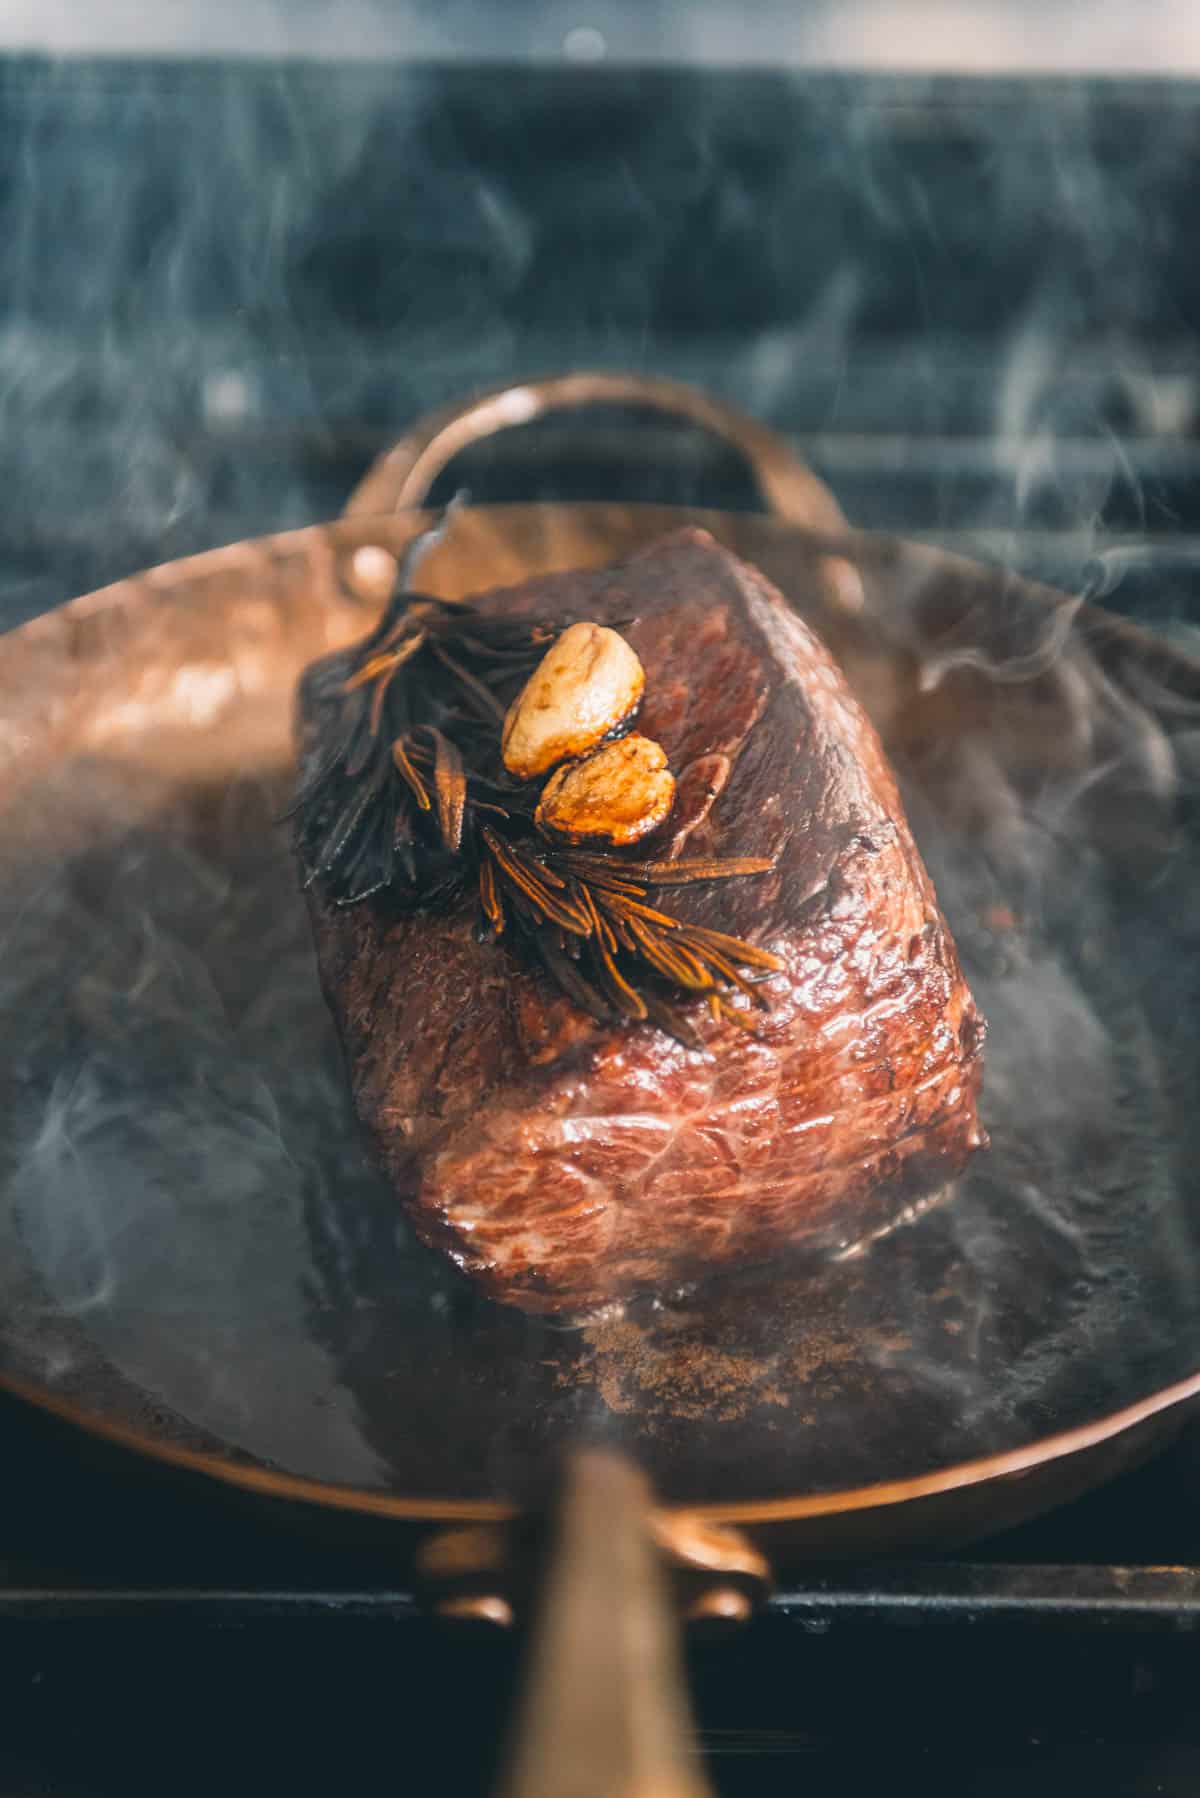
{"x": 563, "y": 1162}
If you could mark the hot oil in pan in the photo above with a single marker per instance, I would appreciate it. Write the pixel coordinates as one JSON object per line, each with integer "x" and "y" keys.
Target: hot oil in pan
{"x": 193, "y": 1241}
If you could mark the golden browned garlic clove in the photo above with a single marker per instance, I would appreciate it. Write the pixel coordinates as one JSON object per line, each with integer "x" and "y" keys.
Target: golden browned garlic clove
{"x": 585, "y": 686}
{"x": 618, "y": 794}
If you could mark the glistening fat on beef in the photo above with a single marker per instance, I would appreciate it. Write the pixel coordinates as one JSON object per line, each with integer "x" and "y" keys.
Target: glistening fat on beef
{"x": 566, "y": 1155}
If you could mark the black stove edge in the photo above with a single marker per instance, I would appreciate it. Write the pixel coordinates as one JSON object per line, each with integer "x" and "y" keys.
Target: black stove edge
{"x": 1165, "y": 1597}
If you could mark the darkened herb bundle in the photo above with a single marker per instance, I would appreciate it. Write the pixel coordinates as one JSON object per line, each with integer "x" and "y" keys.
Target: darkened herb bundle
{"x": 407, "y": 802}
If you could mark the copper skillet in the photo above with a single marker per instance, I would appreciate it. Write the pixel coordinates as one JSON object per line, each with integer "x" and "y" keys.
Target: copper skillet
{"x": 1010, "y": 1350}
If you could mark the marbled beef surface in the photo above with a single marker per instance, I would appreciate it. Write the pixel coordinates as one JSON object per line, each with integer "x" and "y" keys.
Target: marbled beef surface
{"x": 564, "y": 1163}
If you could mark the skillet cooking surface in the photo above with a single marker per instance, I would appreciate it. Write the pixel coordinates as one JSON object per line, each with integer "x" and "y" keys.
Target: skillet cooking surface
{"x": 193, "y": 1245}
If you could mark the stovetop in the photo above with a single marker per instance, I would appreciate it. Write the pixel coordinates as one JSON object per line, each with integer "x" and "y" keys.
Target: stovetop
{"x": 161, "y": 1630}
{"x": 975, "y": 307}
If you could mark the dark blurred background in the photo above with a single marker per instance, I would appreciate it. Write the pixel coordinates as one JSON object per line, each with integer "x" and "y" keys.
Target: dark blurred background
{"x": 971, "y": 299}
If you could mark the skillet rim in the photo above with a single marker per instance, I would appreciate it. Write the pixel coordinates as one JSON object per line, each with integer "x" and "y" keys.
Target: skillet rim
{"x": 395, "y": 529}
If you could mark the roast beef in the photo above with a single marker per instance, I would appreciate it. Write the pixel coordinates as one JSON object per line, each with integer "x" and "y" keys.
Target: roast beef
{"x": 563, "y": 1162}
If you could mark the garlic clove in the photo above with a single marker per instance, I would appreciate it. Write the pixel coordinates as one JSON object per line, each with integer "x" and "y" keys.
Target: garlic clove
{"x": 585, "y": 687}
{"x": 618, "y": 794}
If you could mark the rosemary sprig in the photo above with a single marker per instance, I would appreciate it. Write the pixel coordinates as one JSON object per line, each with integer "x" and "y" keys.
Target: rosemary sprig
{"x": 412, "y": 804}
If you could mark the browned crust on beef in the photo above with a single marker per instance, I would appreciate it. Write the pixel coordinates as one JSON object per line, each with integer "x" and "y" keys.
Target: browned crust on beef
{"x": 563, "y": 1163}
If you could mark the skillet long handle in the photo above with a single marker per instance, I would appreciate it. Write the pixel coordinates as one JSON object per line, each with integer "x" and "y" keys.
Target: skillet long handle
{"x": 605, "y": 1709}
{"x": 403, "y": 476}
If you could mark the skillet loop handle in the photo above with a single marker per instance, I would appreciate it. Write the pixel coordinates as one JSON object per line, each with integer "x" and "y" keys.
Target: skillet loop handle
{"x": 403, "y": 476}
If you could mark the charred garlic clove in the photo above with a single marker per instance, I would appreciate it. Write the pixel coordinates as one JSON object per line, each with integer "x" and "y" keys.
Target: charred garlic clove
{"x": 585, "y": 687}
{"x": 616, "y": 795}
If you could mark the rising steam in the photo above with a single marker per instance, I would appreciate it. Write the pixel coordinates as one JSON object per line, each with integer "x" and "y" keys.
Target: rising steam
{"x": 182, "y": 1188}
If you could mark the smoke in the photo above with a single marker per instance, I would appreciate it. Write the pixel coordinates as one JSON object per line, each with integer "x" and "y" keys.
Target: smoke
{"x": 190, "y": 348}
{"x": 228, "y": 288}
{"x": 169, "y": 1060}
{"x": 185, "y": 1200}
{"x": 229, "y": 285}
{"x": 1051, "y": 797}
